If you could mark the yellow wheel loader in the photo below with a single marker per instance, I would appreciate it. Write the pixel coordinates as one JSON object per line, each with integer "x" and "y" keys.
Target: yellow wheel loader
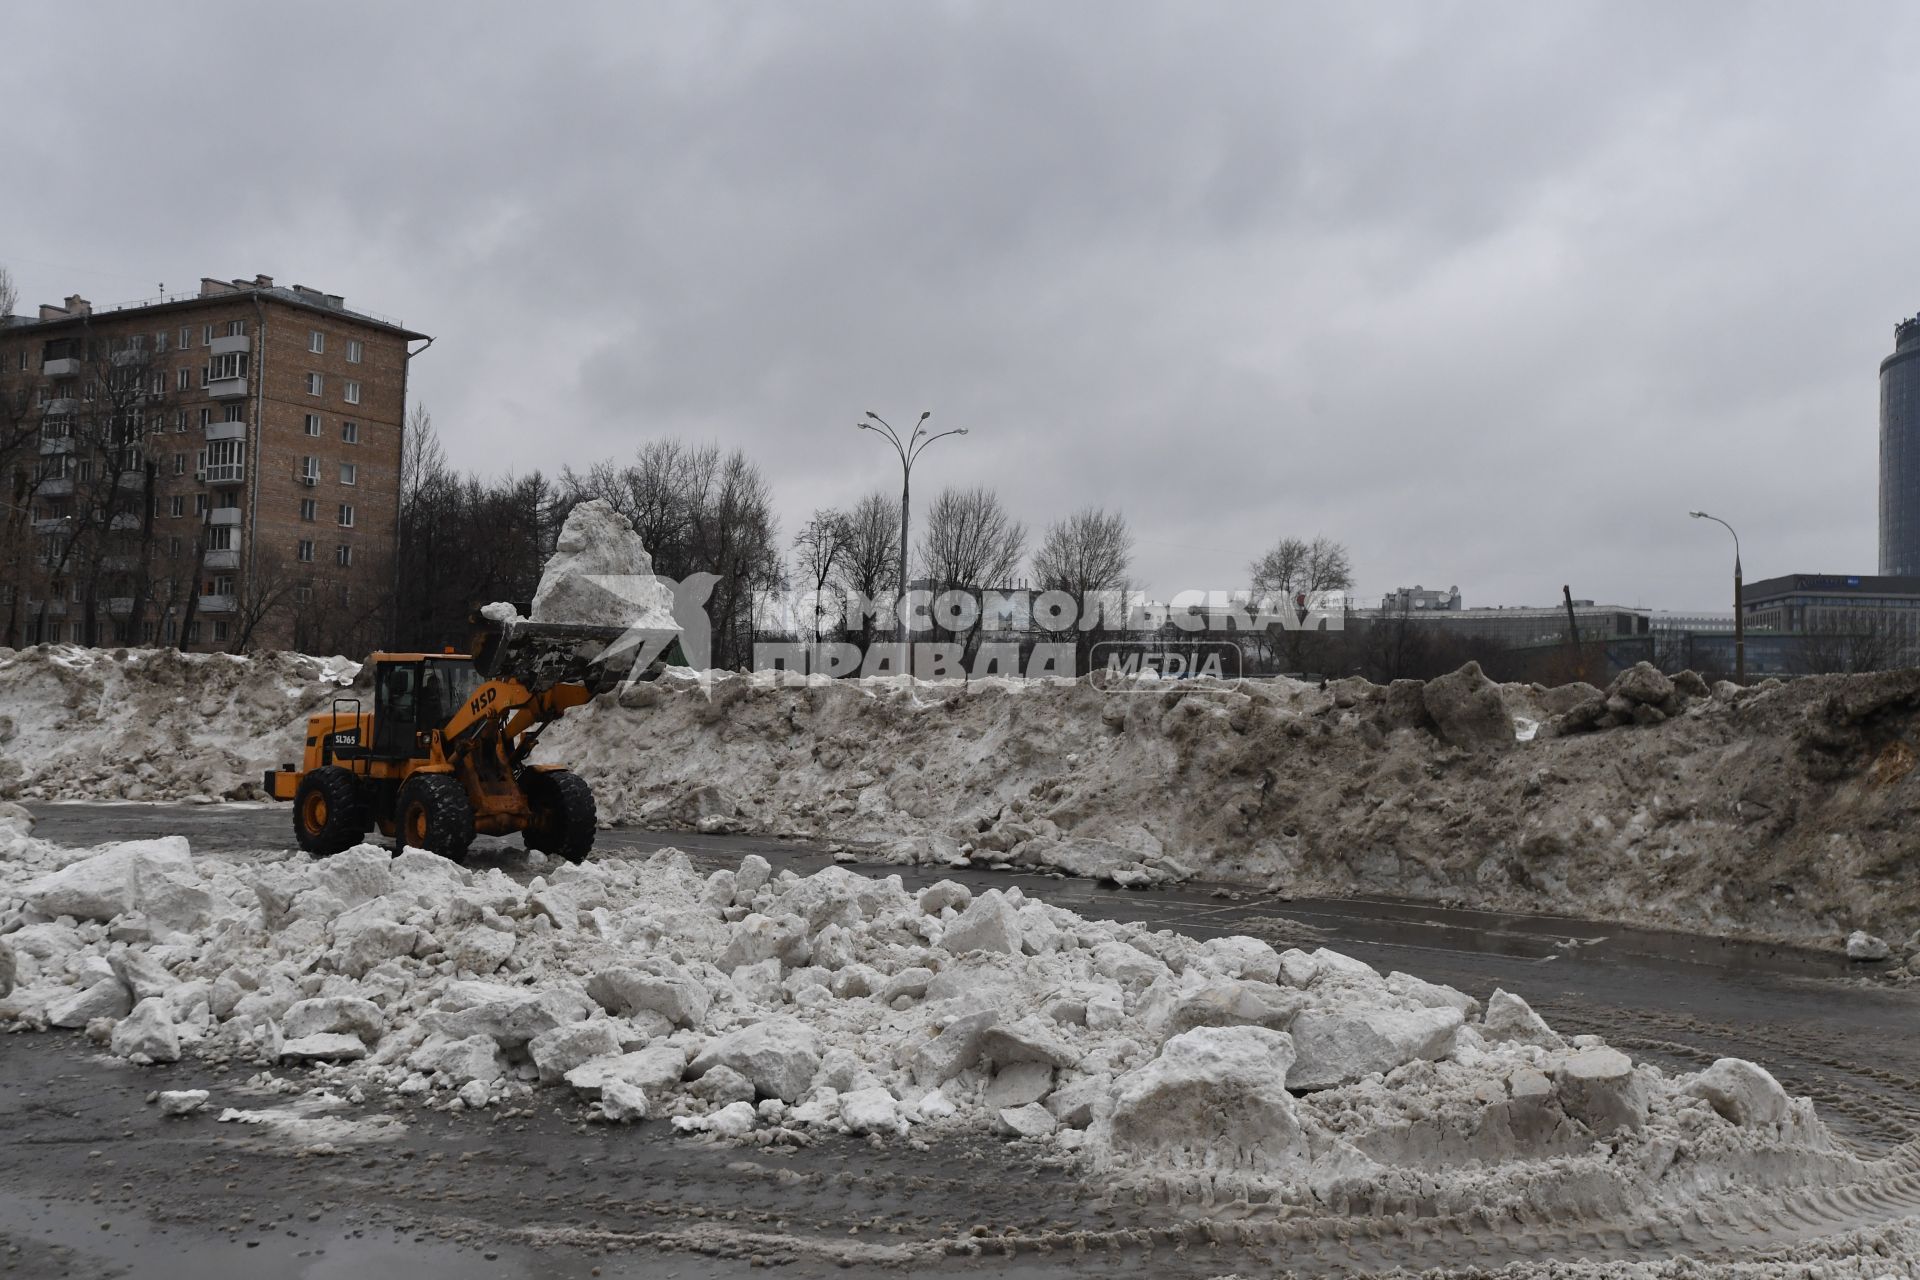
{"x": 442, "y": 755}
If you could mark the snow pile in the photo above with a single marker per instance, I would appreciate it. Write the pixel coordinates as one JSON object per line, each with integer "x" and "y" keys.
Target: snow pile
{"x": 1774, "y": 812}
{"x": 600, "y": 574}
{"x": 154, "y": 724}
{"x": 768, "y": 1008}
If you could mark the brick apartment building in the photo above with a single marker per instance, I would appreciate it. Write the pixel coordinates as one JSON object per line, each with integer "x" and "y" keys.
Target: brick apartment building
{"x": 220, "y": 468}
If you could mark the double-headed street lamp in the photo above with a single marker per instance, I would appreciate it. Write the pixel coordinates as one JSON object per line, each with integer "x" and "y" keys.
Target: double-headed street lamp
{"x": 909, "y": 449}
{"x": 1739, "y": 615}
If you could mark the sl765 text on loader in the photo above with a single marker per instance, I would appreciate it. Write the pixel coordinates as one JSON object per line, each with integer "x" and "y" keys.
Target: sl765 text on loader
{"x": 443, "y": 754}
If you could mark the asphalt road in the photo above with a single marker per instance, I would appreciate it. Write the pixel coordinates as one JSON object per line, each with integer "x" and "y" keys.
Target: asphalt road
{"x": 1824, "y": 1027}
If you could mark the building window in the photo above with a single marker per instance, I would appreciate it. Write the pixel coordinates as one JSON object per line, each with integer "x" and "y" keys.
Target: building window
{"x": 236, "y": 413}
{"x": 231, "y": 365}
{"x": 173, "y": 547}
{"x": 343, "y": 555}
{"x": 354, "y": 352}
{"x": 180, "y": 421}
{"x": 186, "y": 336}
{"x": 206, "y": 417}
{"x": 350, "y": 432}
{"x": 193, "y": 632}
{"x": 219, "y": 632}
{"x": 317, "y": 342}
{"x": 315, "y": 384}
{"x": 206, "y": 335}
{"x": 353, "y": 393}
{"x": 159, "y": 344}
{"x": 200, "y": 505}
{"x": 236, "y": 328}
{"x": 303, "y": 593}
{"x": 183, "y": 379}
{"x": 305, "y": 550}
{"x": 346, "y": 473}
{"x": 309, "y": 509}
{"x": 179, "y": 464}
{"x": 309, "y": 472}
{"x": 313, "y": 424}
{"x": 177, "y": 504}
{"x": 346, "y": 515}
{"x": 220, "y": 537}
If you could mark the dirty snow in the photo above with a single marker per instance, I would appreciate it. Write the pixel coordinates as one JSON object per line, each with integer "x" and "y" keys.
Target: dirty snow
{"x": 754, "y": 1007}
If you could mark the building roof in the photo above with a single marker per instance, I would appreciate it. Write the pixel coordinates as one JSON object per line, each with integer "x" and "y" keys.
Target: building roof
{"x": 211, "y": 293}
{"x": 1864, "y": 584}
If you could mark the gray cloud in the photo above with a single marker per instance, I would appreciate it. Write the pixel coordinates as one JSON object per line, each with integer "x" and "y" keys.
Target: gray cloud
{"x": 1493, "y": 293}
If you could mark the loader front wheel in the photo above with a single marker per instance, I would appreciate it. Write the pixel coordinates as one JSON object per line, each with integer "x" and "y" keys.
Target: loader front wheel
{"x": 564, "y": 816}
{"x": 328, "y": 816}
{"x": 434, "y": 814}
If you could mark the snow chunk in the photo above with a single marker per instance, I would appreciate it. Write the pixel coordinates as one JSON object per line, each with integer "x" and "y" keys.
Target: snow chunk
{"x": 154, "y": 877}
{"x": 182, "y": 1102}
{"x": 779, "y": 1056}
{"x": 1511, "y": 1018}
{"x": 1743, "y": 1093}
{"x": 1339, "y": 1046}
{"x": 148, "y": 1032}
{"x": 1598, "y": 1087}
{"x": 1215, "y": 1100}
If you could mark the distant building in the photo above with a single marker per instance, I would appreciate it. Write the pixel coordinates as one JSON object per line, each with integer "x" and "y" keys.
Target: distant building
{"x": 1900, "y": 453}
{"x": 220, "y": 467}
{"x": 1418, "y": 597}
{"x": 1517, "y": 624}
{"x": 1873, "y": 620}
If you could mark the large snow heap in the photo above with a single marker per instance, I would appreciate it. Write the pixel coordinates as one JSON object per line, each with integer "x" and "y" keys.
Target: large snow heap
{"x": 600, "y": 574}
{"x": 763, "y": 1008}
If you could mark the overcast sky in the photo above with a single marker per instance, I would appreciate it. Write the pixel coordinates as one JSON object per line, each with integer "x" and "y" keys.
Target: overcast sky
{"x": 1493, "y": 293}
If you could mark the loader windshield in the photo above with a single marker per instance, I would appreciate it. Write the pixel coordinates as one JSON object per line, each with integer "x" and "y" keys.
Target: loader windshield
{"x": 445, "y": 686}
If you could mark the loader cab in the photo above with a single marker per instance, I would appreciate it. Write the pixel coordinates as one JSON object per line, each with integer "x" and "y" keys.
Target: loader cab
{"x": 415, "y": 694}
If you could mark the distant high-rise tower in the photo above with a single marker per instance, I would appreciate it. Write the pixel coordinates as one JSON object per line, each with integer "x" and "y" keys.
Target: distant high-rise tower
{"x": 1900, "y": 453}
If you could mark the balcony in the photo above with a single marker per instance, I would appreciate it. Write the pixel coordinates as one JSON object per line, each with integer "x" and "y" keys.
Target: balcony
{"x": 216, "y": 604}
{"x": 55, "y": 444}
{"x": 132, "y": 479}
{"x": 226, "y": 431}
{"x": 55, "y": 487}
{"x": 225, "y": 559}
{"x": 229, "y": 345}
{"x": 125, "y": 522}
{"x": 60, "y": 406}
{"x": 224, "y": 515}
{"x": 119, "y": 564}
{"x": 227, "y": 388}
{"x": 52, "y": 524}
{"x": 64, "y": 367}
{"x": 226, "y": 472}
{"x": 52, "y": 608}
{"x": 120, "y": 607}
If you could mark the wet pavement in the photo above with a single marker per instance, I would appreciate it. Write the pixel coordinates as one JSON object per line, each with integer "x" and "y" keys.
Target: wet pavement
{"x": 549, "y": 1195}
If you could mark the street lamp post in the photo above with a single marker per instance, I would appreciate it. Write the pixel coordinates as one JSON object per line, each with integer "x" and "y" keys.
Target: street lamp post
{"x": 909, "y": 449}
{"x": 1739, "y": 613}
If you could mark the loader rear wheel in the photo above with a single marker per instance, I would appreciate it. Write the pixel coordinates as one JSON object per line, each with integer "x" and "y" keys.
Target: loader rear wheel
{"x": 328, "y": 815}
{"x": 434, "y": 814}
{"x": 564, "y": 816}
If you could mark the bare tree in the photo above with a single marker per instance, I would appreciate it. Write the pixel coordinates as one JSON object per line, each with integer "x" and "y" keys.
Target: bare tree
{"x": 821, "y": 545}
{"x": 1289, "y": 576}
{"x": 970, "y": 544}
{"x": 869, "y": 570}
{"x": 268, "y": 591}
{"x": 1086, "y": 556}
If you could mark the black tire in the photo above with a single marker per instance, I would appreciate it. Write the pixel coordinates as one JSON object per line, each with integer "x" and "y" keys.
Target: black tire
{"x": 564, "y": 815}
{"x": 433, "y": 814}
{"x": 329, "y": 815}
